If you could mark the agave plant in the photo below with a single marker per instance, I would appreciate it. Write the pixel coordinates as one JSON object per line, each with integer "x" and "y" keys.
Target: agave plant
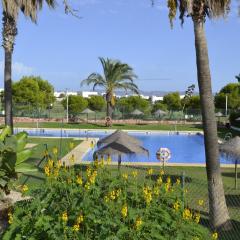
{"x": 13, "y": 157}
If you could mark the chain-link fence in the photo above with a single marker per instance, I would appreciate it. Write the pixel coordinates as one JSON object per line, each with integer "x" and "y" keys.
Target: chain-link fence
{"x": 57, "y": 112}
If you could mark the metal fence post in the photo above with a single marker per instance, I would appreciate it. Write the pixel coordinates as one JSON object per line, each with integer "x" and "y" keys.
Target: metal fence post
{"x": 183, "y": 188}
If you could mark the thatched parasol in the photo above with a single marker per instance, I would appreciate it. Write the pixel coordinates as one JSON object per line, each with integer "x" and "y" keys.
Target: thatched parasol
{"x": 87, "y": 111}
{"x": 116, "y": 148}
{"x": 118, "y": 136}
{"x": 120, "y": 143}
{"x": 137, "y": 112}
{"x": 159, "y": 112}
{"x": 231, "y": 150}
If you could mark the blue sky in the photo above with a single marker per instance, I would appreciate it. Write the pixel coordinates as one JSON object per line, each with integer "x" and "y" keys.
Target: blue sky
{"x": 64, "y": 50}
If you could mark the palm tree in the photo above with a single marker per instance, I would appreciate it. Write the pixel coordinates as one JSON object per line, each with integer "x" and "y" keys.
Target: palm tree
{"x": 198, "y": 10}
{"x": 116, "y": 75}
{"x": 238, "y": 78}
{"x": 11, "y": 9}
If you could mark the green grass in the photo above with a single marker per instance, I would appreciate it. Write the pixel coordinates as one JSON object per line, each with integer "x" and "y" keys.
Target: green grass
{"x": 167, "y": 127}
{"x": 37, "y": 178}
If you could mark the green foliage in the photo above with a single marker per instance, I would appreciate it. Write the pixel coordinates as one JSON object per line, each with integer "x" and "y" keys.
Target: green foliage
{"x": 193, "y": 103}
{"x": 100, "y": 205}
{"x": 159, "y": 105}
{"x": 173, "y": 101}
{"x": 96, "y": 103}
{"x": 13, "y": 156}
{"x": 232, "y": 91}
{"x": 76, "y": 104}
{"x": 33, "y": 90}
{"x": 128, "y": 104}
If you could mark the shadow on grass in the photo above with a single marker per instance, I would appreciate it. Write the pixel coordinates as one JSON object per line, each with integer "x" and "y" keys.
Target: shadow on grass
{"x": 233, "y": 201}
{"x": 230, "y": 174}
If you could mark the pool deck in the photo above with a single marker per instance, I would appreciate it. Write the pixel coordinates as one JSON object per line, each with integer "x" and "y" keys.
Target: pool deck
{"x": 78, "y": 152}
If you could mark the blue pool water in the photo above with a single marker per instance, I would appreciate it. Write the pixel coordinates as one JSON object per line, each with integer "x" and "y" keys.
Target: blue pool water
{"x": 184, "y": 148}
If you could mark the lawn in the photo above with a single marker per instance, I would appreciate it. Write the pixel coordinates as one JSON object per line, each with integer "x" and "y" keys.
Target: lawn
{"x": 38, "y": 156}
{"x": 160, "y": 127}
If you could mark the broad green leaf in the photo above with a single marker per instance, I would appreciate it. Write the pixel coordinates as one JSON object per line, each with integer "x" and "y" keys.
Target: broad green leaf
{"x": 25, "y": 167}
{"x": 23, "y": 156}
{"x": 5, "y": 132}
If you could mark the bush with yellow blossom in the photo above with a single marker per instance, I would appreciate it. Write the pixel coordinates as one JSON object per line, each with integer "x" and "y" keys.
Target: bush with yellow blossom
{"x": 95, "y": 203}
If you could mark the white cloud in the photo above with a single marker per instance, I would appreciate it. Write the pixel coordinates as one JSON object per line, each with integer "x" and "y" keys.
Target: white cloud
{"x": 18, "y": 69}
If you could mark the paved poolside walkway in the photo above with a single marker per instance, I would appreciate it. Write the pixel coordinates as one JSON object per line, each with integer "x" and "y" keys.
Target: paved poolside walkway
{"x": 78, "y": 152}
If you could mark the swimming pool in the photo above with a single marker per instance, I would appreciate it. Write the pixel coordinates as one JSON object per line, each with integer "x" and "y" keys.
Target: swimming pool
{"x": 185, "y": 148}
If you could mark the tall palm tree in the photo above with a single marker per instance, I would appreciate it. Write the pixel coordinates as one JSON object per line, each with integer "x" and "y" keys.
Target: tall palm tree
{"x": 11, "y": 10}
{"x": 198, "y": 10}
{"x": 116, "y": 75}
{"x": 238, "y": 78}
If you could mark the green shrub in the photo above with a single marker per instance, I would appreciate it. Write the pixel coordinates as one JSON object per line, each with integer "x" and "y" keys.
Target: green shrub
{"x": 98, "y": 204}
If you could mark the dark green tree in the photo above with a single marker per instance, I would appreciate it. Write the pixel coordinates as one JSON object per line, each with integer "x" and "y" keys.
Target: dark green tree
{"x": 232, "y": 91}
{"x": 173, "y": 101}
{"x": 76, "y": 104}
{"x": 96, "y": 103}
{"x": 129, "y": 104}
{"x": 34, "y": 91}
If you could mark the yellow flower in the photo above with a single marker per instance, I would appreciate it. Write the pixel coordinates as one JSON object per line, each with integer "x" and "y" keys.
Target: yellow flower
{"x": 147, "y": 194}
{"x": 138, "y": 223}
{"x": 167, "y": 187}
{"x": 106, "y": 199}
{"x": 76, "y": 227}
{"x": 162, "y": 172}
{"x": 109, "y": 159}
{"x": 50, "y": 163}
{"x": 47, "y": 170}
{"x": 89, "y": 171}
{"x": 79, "y": 180}
{"x": 113, "y": 195}
{"x": 178, "y": 181}
{"x": 56, "y": 172}
{"x": 134, "y": 174}
{"x": 187, "y": 214}
{"x": 55, "y": 150}
{"x": 10, "y": 218}
{"x": 46, "y": 153}
{"x": 125, "y": 176}
{"x": 176, "y": 206}
{"x": 169, "y": 180}
{"x": 24, "y": 188}
{"x": 72, "y": 159}
{"x": 59, "y": 164}
{"x": 215, "y": 236}
{"x": 197, "y": 217}
{"x": 124, "y": 210}
{"x": 150, "y": 171}
{"x": 159, "y": 180}
{"x": 200, "y": 202}
{"x": 156, "y": 191}
{"x": 80, "y": 219}
{"x": 65, "y": 217}
{"x": 118, "y": 192}
{"x": 87, "y": 186}
{"x": 71, "y": 145}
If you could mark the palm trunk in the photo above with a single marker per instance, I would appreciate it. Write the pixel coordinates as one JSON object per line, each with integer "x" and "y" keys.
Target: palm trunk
{"x": 9, "y": 33}
{"x": 8, "y": 89}
{"x": 109, "y": 105}
{"x": 218, "y": 211}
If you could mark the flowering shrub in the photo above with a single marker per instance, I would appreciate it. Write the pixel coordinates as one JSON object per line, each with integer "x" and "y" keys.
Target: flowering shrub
{"x": 95, "y": 204}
